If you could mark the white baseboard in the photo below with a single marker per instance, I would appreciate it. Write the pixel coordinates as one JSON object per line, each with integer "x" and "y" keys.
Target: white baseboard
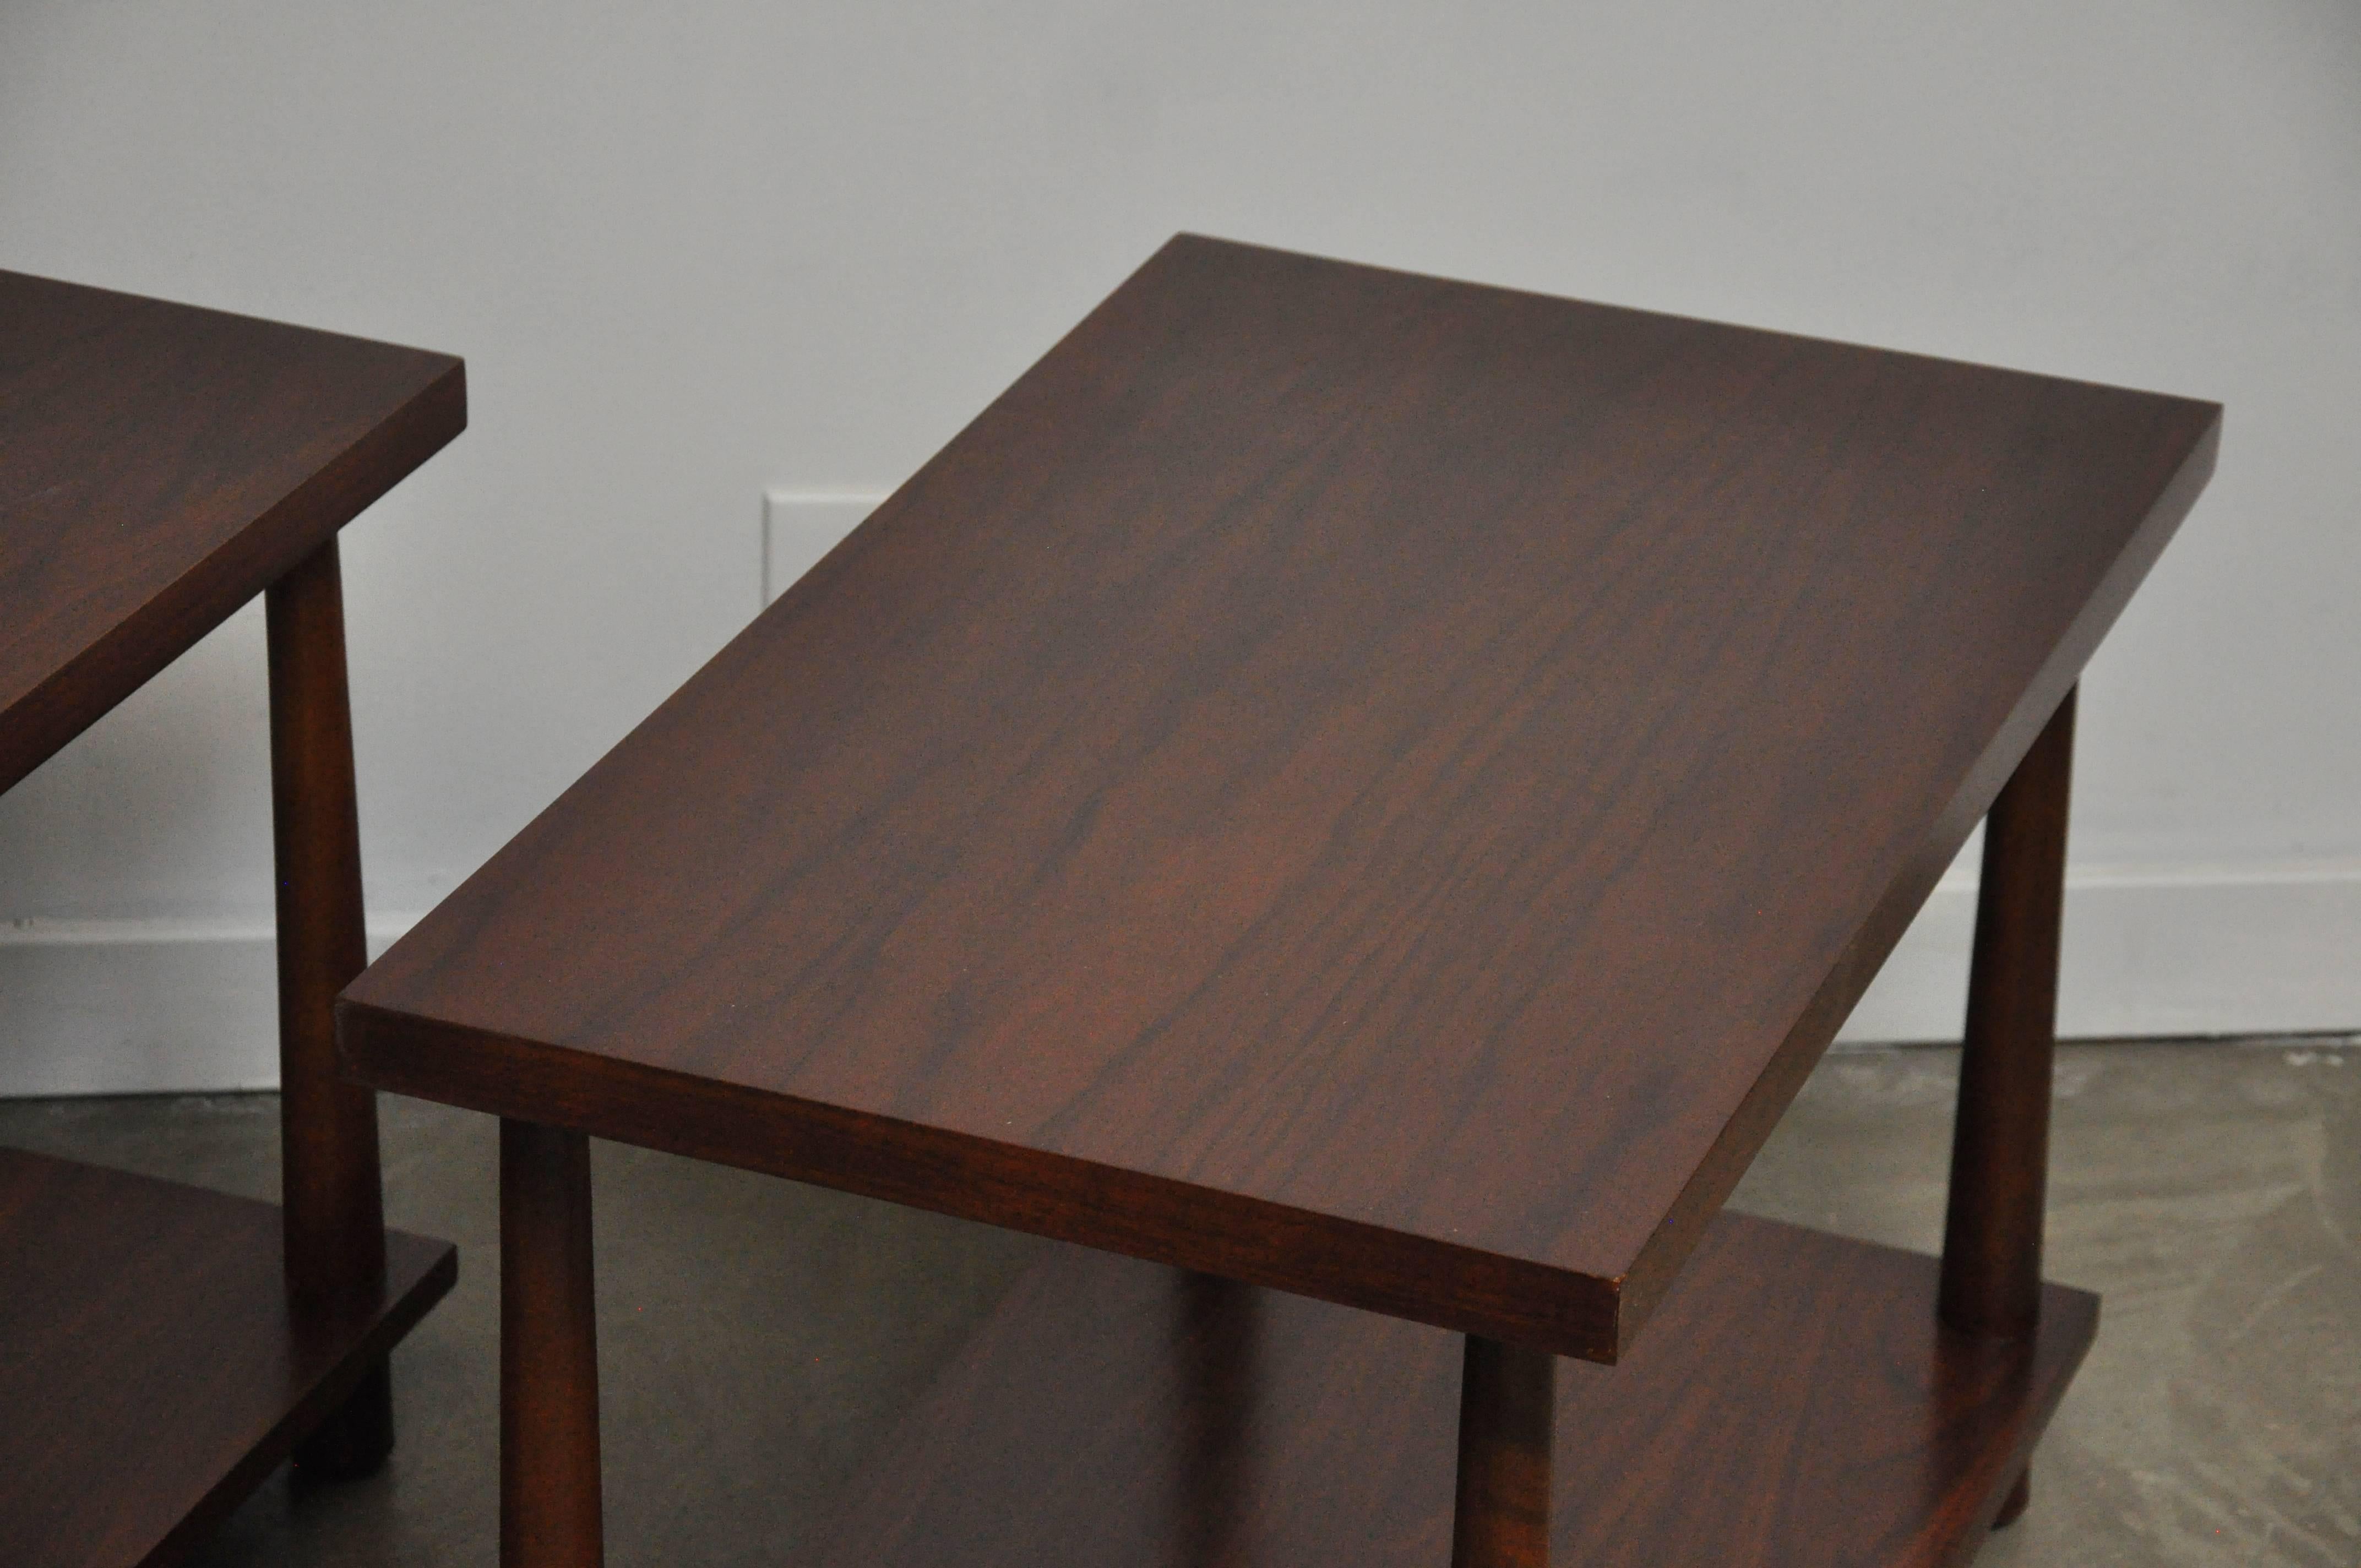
{"x": 2151, "y": 952}
{"x": 153, "y": 1006}
{"x": 141, "y": 1006}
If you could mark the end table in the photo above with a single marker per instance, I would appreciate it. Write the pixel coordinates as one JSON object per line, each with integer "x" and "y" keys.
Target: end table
{"x": 162, "y": 1347}
{"x": 1359, "y": 799}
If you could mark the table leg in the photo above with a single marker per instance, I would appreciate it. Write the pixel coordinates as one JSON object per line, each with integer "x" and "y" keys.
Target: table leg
{"x": 1508, "y": 1414}
{"x": 335, "y": 1211}
{"x": 2000, "y": 1148}
{"x": 549, "y": 1353}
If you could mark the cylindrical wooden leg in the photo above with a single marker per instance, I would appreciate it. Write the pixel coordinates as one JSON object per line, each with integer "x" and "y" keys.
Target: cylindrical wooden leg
{"x": 1508, "y": 1416}
{"x": 2000, "y": 1145}
{"x": 549, "y": 1353}
{"x": 335, "y": 1213}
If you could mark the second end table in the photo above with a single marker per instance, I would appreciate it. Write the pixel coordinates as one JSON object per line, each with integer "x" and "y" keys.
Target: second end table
{"x": 162, "y": 1348}
{"x": 1369, "y": 793}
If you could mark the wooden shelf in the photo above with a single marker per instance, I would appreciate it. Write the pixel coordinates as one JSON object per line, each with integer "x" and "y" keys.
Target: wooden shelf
{"x": 151, "y": 1369}
{"x": 1792, "y": 1403}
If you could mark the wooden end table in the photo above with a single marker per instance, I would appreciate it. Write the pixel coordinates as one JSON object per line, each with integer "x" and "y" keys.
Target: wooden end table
{"x": 162, "y": 1347}
{"x": 1369, "y": 793}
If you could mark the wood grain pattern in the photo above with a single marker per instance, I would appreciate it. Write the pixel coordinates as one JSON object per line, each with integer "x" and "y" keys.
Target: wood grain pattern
{"x": 1795, "y": 1406}
{"x": 152, "y": 1369}
{"x": 1347, "y": 781}
{"x": 160, "y": 466}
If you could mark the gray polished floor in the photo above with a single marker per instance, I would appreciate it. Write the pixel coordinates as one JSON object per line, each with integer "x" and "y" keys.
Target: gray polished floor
{"x": 755, "y": 1334}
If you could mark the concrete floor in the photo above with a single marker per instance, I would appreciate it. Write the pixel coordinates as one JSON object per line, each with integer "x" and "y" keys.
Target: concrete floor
{"x": 757, "y": 1336}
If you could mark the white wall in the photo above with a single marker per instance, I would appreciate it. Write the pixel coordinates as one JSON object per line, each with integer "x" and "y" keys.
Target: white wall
{"x": 696, "y": 250}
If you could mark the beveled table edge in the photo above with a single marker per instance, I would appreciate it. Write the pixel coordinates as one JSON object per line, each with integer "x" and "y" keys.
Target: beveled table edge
{"x": 1092, "y": 1205}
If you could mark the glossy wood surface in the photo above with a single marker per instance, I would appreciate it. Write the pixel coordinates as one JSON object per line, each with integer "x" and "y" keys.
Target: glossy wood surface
{"x": 160, "y": 466}
{"x": 1347, "y": 781}
{"x": 1793, "y": 1406}
{"x": 151, "y": 1370}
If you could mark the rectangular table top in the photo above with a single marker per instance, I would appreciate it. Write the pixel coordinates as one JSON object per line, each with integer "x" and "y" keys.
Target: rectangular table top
{"x": 1349, "y": 781}
{"x": 160, "y": 466}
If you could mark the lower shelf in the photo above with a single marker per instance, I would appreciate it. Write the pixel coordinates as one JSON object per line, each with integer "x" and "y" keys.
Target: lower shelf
{"x": 151, "y": 1374}
{"x": 1792, "y": 1402}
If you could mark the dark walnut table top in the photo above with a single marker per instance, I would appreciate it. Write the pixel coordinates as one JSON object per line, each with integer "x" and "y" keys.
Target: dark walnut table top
{"x": 160, "y": 466}
{"x": 1351, "y": 782}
